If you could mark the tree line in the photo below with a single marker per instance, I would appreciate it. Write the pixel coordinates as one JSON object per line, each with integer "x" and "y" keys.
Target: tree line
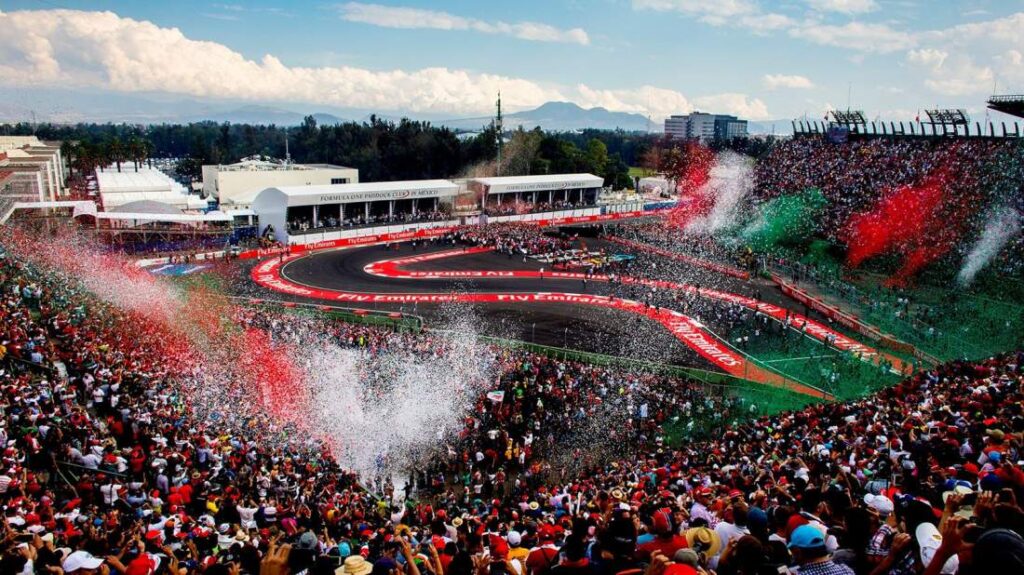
{"x": 382, "y": 150}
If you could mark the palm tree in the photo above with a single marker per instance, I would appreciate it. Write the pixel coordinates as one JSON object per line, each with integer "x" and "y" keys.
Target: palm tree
{"x": 79, "y": 158}
{"x": 136, "y": 151}
{"x": 116, "y": 151}
{"x": 147, "y": 152}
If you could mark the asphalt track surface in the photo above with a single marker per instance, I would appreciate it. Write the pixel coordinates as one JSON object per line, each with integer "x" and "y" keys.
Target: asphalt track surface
{"x": 592, "y": 321}
{"x": 583, "y": 327}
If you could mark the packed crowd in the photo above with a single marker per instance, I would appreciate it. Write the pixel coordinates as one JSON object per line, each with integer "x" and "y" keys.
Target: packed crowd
{"x": 106, "y": 470}
{"x": 512, "y": 238}
{"x": 513, "y": 208}
{"x": 656, "y": 233}
{"x": 300, "y": 225}
{"x": 853, "y": 175}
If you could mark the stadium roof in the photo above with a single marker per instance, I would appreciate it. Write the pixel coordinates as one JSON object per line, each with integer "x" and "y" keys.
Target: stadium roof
{"x": 172, "y": 218}
{"x": 1012, "y": 104}
{"x": 362, "y": 192}
{"x": 128, "y": 180}
{"x": 261, "y": 165}
{"x": 147, "y": 185}
{"x": 180, "y": 200}
{"x": 146, "y": 207}
{"x": 545, "y": 182}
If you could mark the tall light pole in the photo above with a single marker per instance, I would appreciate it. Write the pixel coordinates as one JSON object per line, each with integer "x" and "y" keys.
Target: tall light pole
{"x": 498, "y": 126}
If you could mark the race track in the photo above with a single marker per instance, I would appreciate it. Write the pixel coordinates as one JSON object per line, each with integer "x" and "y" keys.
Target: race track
{"x": 523, "y": 300}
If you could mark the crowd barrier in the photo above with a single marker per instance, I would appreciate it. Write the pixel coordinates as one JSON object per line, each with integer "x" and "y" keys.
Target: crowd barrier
{"x": 396, "y": 320}
{"x": 852, "y": 321}
{"x": 767, "y": 399}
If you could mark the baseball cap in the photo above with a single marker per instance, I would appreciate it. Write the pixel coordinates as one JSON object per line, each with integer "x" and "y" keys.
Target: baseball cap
{"x": 806, "y": 537}
{"x": 306, "y": 541}
{"x": 686, "y": 556}
{"x": 880, "y": 503}
{"x": 514, "y": 538}
{"x": 81, "y": 560}
{"x": 929, "y": 539}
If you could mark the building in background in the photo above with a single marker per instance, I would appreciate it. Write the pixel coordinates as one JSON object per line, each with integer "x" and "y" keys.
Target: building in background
{"x": 705, "y": 127}
{"x": 236, "y": 185}
{"x": 37, "y": 170}
{"x": 507, "y": 195}
{"x": 292, "y": 211}
{"x": 146, "y": 187}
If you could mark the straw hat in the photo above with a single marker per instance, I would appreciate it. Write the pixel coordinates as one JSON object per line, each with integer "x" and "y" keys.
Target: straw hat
{"x": 704, "y": 540}
{"x": 354, "y": 565}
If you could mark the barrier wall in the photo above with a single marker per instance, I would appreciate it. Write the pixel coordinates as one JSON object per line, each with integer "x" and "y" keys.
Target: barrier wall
{"x": 850, "y": 321}
{"x": 382, "y": 234}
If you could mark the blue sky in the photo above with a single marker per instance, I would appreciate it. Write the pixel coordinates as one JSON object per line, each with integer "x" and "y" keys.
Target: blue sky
{"x": 757, "y": 58}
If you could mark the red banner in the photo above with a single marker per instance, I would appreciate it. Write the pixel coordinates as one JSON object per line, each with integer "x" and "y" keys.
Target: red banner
{"x": 393, "y": 268}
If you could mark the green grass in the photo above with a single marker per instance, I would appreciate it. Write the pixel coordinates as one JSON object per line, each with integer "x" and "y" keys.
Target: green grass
{"x": 638, "y": 172}
{"x": 811, "y": 362}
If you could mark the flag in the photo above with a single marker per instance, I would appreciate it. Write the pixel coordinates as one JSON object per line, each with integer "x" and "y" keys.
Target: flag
{"x": 496, "y": 396}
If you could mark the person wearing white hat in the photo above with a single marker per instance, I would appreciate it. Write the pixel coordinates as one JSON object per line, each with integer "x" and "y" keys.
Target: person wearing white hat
{"x": 928, "y": 540}
{"x": 81, "y": 563}
{"x": 879, "y": 504}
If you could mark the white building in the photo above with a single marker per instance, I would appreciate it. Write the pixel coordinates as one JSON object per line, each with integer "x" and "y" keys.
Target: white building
{"x": 703, "y": 126}
{"x": 127, "y": 186}
{"x": 551, "y": 191}
{"x": 236, "y": 185}
{"x": 344, "y": 208}
{"x": 37, "y": 168}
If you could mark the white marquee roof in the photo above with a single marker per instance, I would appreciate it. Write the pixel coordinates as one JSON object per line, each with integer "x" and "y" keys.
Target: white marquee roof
{"x": 174, "y": 218}
{"x": 128, "y": 180}
{"x": 362, "y": 192}
{"x": 545, "y": 182}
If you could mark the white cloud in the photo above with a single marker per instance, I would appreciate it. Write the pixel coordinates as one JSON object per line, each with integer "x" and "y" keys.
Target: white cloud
{"x": 741, "y": 13}
{"x": 860, "y": 36}
{"x": 659, "y": 103}
{"x": 737, "y": 104}
{"x": 978, "y": 53}
{"x": 103, "y": 50}
{"x": 700, "y": 8}
{"x": 776, "y": 81}
{"x": 416, "y": 18}
{"x": 844, "y": 6}
{"x": 928, "y": 57}
{"x": 955, "y": 75}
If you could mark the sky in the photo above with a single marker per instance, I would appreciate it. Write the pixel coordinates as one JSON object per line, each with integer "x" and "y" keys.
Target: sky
{"x": 759, "y": 59}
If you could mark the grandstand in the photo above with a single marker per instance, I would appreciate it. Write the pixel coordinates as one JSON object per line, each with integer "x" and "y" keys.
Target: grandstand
{"x": 1008, "y": 104}
{"x": 833, "y": 376}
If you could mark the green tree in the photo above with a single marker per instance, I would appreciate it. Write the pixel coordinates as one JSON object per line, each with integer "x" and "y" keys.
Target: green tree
{"x": 116, "y": 151}
{"x": 597, "y": 156}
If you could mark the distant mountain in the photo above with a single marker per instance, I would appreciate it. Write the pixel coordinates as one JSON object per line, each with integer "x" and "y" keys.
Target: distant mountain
{"x": 70, "y": 106}
{"x": 562, "y": 117}
{"x": 256, "y": 114}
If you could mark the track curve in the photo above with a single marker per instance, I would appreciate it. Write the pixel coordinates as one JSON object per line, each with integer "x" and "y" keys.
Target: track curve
{"x": 269, "y": 274}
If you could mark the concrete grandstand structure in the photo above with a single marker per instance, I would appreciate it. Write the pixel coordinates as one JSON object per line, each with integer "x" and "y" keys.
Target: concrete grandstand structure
{"x": 546, "y": 189}
{"x": 297, "y": 210}
{"x": 236, "y": 185}
{"x": 36, "y": 169}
